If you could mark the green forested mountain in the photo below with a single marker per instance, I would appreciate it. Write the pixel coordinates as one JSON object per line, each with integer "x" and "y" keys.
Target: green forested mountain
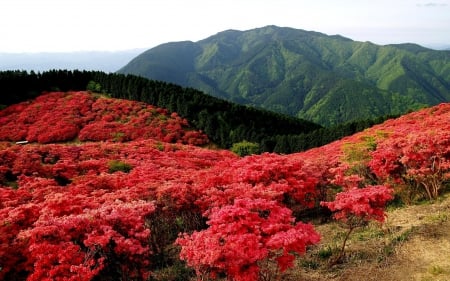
{"x": 325, "y": 79}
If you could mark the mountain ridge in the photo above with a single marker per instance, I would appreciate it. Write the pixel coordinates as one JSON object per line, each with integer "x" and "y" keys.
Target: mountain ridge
{"x": 325, "y": 79}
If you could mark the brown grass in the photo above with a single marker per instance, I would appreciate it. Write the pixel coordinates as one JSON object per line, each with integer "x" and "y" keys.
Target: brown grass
{"x": 413, "y": 245}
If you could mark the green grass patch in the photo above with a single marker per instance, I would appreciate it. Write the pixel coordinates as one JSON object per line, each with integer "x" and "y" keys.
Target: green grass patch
{"x": 118, "y": 166}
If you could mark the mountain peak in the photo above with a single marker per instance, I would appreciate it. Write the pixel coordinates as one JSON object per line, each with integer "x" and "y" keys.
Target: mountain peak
{"x": 307, "y": 74}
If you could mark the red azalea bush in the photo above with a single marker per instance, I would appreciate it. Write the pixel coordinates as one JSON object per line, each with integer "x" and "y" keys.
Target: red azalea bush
{"x": 362, "y": 204}
{"x": 58, "y": 117}
{"x": 242, "y": 236}
{"x": 357, "y": 206}
{"x": 50, "y": 233}
{"x": 410, "y": 153}
{"x": 65, "y": 199}
{"x": 422, "y": 157}
{"x": 93, "y": 242}
{"x": 274, "y": 177}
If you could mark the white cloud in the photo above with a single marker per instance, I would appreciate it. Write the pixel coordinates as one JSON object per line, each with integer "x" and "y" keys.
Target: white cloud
{"x": 432, "y": 4}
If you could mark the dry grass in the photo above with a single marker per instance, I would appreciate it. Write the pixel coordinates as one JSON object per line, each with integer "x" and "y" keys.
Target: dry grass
{"x": 413, "y": 245}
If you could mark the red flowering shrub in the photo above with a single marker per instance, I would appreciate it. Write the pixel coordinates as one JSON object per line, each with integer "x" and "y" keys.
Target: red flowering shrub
{"x": 15, "y": 215}
{"x": 274, "y": 177}
{"x": 77, "y": 236}
{"x": 69, "y": 201}
{"x": 364, "y": 204}
{"x": 358, "y": 206}
{"x": 243, "y": 235}
{"x": 57, "y": 117}
{"x": 421, "y": 157}
{"x": 93, "y": 241}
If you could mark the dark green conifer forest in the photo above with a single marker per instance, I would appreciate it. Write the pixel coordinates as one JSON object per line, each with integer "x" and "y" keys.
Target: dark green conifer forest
{"x": 224, "y": 122}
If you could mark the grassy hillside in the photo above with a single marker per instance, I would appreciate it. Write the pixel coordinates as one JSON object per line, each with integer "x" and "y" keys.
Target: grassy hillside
{"x": 325, "y": 79}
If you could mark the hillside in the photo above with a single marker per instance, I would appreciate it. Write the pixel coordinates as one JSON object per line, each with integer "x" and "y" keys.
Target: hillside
{"x": 62, "y": 117}
{"x": 325, "y": 79}
{"x": 131, "y": 208}
{"x": 224, "y": 122}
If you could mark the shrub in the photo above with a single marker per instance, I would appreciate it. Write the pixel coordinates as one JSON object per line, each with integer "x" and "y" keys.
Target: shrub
{"x": 243, "y": 238}
{"x": 245, "y": 148}
{"x": 116, "y": 166}
{"x": 357, "y": 206}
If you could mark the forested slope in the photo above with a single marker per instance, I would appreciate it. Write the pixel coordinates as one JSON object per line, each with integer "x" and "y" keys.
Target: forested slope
{"x": 225, "y": 123}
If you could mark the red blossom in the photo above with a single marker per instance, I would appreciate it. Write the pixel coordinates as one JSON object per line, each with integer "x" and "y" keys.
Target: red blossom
{"x": 242, "y": 235}
{"x": 58, "y": 117}
{"x": 363, "y": 203}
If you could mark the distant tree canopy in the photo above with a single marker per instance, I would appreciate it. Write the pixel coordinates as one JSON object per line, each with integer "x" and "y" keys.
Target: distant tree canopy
{"x": 245, "y": 148}
{"x": 224, "y": 122}
{"x": 94, "y": 87}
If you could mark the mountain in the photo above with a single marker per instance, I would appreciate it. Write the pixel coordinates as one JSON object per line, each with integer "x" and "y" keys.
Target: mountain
{"x": 88, "y": 60}
{"x": 325, "y": 79}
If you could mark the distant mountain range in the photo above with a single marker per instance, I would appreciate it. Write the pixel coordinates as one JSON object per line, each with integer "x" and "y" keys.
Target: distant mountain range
{"x": 89, "y": 60}
{"x": 325, "y": 79}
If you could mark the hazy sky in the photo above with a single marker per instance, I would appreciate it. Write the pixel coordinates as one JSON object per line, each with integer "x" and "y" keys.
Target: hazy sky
{"x": 68, "y": 25}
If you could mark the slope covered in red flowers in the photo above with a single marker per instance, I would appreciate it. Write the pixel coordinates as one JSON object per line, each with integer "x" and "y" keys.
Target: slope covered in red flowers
{"x": 108, "y": 209}
{"x": 410, "y": 154}
{"x": 59, "y": 117}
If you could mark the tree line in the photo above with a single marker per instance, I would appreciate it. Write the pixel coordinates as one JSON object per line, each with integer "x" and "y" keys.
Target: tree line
{"x": 224, "y": 122}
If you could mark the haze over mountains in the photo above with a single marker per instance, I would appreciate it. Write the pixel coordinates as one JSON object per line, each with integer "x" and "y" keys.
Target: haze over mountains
{"x": 325, "y": 79}
{"x": 86, "y": 60}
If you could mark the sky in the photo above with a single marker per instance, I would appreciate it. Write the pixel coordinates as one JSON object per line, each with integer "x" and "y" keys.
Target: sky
{"x": 112, "y": 25}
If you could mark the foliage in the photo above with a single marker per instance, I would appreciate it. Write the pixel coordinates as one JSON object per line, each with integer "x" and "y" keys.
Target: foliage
{"x": 245, "y": 148}
{"x": 115, "y": 166}
{"x": 93, "y": 86}
{"x": 357, "y": 206}
{"x": 58, "y": 116}
{"x": 242, "y": 237}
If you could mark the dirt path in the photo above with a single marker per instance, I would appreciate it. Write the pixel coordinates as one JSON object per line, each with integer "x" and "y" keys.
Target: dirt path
{"x": 426, "y": 254}
{"x": 413, "y": 245}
